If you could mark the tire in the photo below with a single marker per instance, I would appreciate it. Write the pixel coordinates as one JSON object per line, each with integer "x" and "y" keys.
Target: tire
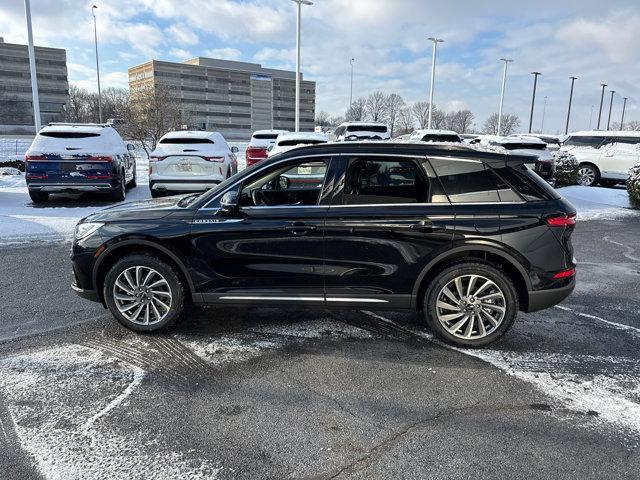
{"x": 157, "y": 194}
{"x": 588, "y": 175}
{"x": 608, "y": 183}
{"x": 499, "y": 286}
{"x": 38, "y": 197}
{"x": 171, "y": 293}
{"x": 133, "y": 183}
{"x": 120, "y": 192}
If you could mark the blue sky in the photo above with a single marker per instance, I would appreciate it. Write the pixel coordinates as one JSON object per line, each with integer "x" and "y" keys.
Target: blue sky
{"x": 589, "y": 39}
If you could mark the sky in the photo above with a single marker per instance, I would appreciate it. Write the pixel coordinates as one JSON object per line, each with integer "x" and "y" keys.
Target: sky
{"x": 596, "y": 41}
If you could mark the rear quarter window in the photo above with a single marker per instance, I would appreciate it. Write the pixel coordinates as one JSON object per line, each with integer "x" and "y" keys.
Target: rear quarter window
{"x": 527, "y": 183}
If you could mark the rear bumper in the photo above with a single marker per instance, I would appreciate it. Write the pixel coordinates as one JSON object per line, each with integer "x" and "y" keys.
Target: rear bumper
{"x": 183, "y": 185}
{"x": 72, "y": 187}
{"x": 542, "y": 299}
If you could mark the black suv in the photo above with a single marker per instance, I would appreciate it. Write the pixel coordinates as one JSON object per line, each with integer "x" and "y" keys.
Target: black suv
{"x": 466, "y": 236}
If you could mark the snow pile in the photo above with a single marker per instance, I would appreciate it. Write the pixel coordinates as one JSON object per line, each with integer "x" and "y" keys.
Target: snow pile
{"x": 596, "y": 203}
{"x": 633, "y": 185}
{"x": 9, "y": 171}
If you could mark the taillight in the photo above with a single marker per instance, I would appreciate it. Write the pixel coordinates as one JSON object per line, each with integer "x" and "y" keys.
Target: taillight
{"x": 565, "y": 274}
{"x": 35, "y": 158}
{"x": 36, "y": 176}
{"x": 562, "y": 220}
{"x": 254, "y": 155}
{"x": 97, "y": 159}
{"x": 214, "y": 159}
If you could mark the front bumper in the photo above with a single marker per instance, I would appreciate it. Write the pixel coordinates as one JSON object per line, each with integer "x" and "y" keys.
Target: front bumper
{"x": 91, "y": 295}
{"x": 543, "y": 299}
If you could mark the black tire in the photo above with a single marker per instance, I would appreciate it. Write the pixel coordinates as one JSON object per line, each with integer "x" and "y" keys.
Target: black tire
{"x": 157, "y": 194}
{"x": 177, "y": 288}
{"x": 583, "y": 170}
{"x": 120, "y": 192}
{"x": 608, "y": 183}
{"x": 38, "y": 197}
{"x": 447, "y": 275}
{"x": 133, "y": 183}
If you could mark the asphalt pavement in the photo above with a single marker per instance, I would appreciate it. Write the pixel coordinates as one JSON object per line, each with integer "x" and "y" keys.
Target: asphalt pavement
{"x": 281, "y": 394}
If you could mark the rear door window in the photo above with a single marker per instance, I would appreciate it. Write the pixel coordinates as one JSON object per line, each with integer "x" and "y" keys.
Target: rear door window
{"x": 470, "y": 182}
{"x": 372, "y": 181}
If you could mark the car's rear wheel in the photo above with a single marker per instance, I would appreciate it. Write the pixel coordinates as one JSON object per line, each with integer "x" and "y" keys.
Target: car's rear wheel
{"x": 144, "y": 293}
{"x": 134, "y": 182}
{"x": 157, "y": 194}
{"x": 588, "y": 175}
{"x": 120, "y": 192}
{"x": 470, "y": 304}
{"x": 38, "y": 197}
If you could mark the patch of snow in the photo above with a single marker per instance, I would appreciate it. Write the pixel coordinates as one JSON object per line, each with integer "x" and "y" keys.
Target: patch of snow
{"x": 53, "y": 394}
{"x": 9, "y": 171}
{"x": 597, "y": 203}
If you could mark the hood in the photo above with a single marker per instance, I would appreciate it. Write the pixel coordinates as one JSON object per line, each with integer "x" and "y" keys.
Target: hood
{"x": 140, "y": 210}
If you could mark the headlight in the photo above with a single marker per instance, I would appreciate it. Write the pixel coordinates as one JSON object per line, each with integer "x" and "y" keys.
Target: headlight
{"x": 83, "y": 230}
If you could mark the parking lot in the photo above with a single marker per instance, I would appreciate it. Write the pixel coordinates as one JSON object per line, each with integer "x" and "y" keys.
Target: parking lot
{"x": 272, "y": 393}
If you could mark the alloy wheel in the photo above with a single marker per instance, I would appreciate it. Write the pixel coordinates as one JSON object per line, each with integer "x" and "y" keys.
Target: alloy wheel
{"x": 586, "y": 176}
{"x": 471, "y": 307}
{"x": 142, "y": 295}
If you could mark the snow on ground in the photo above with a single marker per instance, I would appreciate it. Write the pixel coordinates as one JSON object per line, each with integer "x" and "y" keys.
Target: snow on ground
{"x": 21, "y": 221}
{"x": 598, "y": 203}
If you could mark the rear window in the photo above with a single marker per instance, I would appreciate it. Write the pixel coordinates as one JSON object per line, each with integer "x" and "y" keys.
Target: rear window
{"x": 292, "y": 143}
{"x": 441, "y": 138}
{"x": 625, "y": 140}
{"x": 69, "y": 134}
{"x": 265, "y": 136}
{"x": 367, "y": 128}
{"x": 185, "y": 141}
{"x": 580, "y": 141}
{"x": 524, "y": 146}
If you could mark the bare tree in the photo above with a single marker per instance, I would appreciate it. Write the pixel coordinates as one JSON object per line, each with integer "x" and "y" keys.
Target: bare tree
{"x": 438, "y": 119}
{"x": 335, "y": 121}
{"x": 115, "y": 103}
{"x": 356, "y": 110}
{"x": 406, "y": 123}
{"x": 420, "y": 112}
{"x": 459, "y": 121}
{"x": 376, "y": 106}
{"x": 80, "y": 107}
{"x": 394, "y": 107}
{"x": 630, "y": 125}
{"x": 323, "y": 119}
{"x": 510, "y": 122}
{"x": 154, "y": 111}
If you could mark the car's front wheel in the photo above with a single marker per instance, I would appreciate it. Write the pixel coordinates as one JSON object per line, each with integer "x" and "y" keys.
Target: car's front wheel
{"x": 470, "y": 304}
{"x": 144, "y": 293}
{"x": 588, "y": 175}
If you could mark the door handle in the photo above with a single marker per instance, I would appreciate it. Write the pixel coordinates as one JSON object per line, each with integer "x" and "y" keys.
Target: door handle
{"x": 426, "y": 226}
{"x": 300, "y": 228}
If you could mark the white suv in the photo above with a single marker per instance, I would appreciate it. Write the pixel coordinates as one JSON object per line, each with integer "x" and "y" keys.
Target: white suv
{"x": 190, "y": 162}
{"x": 289, "y": 141}
{"x": 354, "y": 131}
{"x": 604, "y": 157}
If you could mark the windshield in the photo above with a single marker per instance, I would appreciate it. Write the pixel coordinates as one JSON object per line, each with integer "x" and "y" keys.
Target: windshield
{"x": 300, "y": 141}
{"x": 524, "y": 146}
{"x": 184, "y": 141}
{"x": 441, "y": 138}
{"x": 367, "y": 128}
{"x": 69, "y": 134}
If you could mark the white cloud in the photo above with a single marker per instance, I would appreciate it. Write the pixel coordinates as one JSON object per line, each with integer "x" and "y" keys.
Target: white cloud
{"x": 180, "y": 54}
{"x": 182, "y": 34}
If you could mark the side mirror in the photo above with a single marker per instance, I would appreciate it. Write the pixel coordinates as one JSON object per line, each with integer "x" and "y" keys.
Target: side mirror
{"x": 131, "y": 147}
{"x": 229, "y": 203}
{"x": 234, "y": 149}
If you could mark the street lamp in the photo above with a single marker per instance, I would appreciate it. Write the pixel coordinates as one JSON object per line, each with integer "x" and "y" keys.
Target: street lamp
{"x": 504, "y": 82}
{"x": 95, "y": 36}
{"x": 603, "y": 85}
{"x": 300, "y": 3}
{"x": 351, "y": 91}
{"x": 533, "y": 99}
{"x": 624, "y": 107}
{"x": 435, "y": 41}
{"x": 613, "y": 92}
{"x": 32, "y": 68}
{"x": 573, "y": 79}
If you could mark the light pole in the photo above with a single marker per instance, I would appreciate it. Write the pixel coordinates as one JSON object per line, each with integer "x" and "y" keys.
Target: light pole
{"x": 95, "y": 36}
{"x": 32, "y": 68}
{"x": 351, "y": 90}
{"x": 504, "y": 82}
{"x": 435, "y": 41}
{"x": 613, "y": 92}
{"x": 533, "y": 99}
{"x": 624, "y": 107}
{"x": 300, "y": 3}
{"x": 573, "y": 79}
{"x": 603, "y": 85}
{"x": 544, "y": 112}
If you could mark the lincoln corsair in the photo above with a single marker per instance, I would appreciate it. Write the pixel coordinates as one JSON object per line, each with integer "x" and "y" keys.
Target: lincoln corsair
{"x": 467, "y": 237}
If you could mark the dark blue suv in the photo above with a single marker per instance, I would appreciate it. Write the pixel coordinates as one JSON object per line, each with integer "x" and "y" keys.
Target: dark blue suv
{"x": 77, "y": 158}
